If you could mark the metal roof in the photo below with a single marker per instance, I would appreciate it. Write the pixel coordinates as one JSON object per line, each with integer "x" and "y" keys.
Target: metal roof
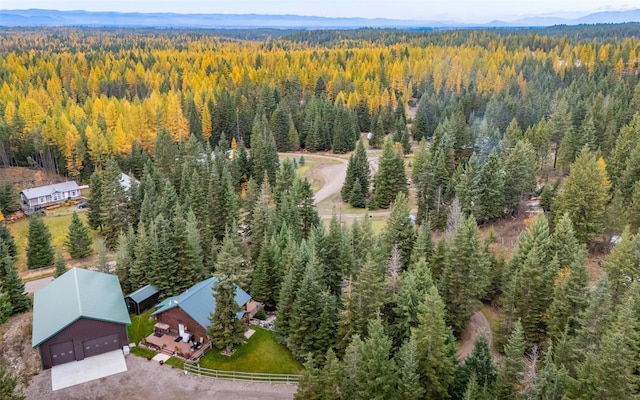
{"x": 143, "y": 293}
{"x": 78, "y": 293}
{"x": 198, "y": 301}
{"x": 48, "y": 190}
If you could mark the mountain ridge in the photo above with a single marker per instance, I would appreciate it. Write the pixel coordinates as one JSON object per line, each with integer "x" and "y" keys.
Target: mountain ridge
{"x": 50, "y": 18}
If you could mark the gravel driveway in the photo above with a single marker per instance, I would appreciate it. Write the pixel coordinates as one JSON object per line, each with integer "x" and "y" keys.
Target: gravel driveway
{"x": 150, "y": 380}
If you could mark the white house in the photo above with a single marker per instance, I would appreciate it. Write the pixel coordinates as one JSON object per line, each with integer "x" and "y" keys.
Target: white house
{"x": 43, "y": 196}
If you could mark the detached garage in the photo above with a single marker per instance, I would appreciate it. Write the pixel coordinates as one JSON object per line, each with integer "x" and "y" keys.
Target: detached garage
{"x": 78, "y": 315}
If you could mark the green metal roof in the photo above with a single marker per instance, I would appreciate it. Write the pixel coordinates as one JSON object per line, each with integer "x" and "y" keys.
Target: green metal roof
{"x": 143, "y": 293}
{"x": 78, "y": 293}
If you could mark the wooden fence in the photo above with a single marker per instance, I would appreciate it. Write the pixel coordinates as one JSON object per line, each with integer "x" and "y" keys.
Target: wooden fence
{"x": 196, "y": 369}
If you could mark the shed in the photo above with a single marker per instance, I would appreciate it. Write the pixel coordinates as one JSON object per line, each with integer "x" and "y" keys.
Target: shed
{"x": 78, "y": 315}
{"x": 142, "y": 299}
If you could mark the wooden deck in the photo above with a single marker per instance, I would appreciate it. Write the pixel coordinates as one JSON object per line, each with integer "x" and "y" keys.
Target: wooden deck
{"x": 167, "y": 344}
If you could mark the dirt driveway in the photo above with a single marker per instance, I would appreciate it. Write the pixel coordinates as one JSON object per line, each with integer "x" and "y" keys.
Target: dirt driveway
{"x": 150, "y": 380}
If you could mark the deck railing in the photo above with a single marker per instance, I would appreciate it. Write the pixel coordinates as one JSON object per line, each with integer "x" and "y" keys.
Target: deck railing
{"x": 196, "y": 369}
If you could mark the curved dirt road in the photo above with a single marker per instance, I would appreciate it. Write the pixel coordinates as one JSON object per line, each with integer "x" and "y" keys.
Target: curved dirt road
{"x": 333, "y": 175}
{"x": 478, "y": 323}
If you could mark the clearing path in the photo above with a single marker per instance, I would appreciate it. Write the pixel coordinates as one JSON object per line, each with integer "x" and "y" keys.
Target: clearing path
{"x": 478, "y": 323}
{"x": 33, "y": 286}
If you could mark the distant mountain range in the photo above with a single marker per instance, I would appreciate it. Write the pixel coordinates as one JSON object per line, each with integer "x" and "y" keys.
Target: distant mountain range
{"x": 38, "y": 17}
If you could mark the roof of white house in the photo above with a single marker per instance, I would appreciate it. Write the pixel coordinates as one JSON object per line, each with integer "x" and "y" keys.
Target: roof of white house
{"x": 48, "y": 190}
{"x": 125, "y": 181}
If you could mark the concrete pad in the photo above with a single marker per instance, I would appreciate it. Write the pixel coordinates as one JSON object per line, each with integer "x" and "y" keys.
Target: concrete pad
{"x": 161, "y": 357}
{"x": 91, "y": 368}
{"x": 248, "y": 333}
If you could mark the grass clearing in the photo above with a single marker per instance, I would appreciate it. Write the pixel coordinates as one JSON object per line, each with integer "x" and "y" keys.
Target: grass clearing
{"x": 140, "y": 352}
{"x": 261, "y": 353}
{"x": 175, "y": 363}
{"x": 141, "y": 326}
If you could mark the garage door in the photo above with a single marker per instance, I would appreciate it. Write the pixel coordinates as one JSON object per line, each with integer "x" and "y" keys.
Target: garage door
{"x": 100, "y": 345}
{"x": 62, "y": 353}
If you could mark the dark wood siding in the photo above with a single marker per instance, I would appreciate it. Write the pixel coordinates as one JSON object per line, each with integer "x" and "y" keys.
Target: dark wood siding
{"x": 177, "y": 316}
{"x": 78, "y": 332}
{"x": 144, "y": 305}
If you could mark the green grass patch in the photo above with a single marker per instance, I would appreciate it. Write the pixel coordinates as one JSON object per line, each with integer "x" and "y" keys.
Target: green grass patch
{"x": 261, "y": 353}
{"x": 141, "y": 326}
{"x": 175, "y": 362}
{"x": 140, "y": 352}
{"x": 57, "y": 221}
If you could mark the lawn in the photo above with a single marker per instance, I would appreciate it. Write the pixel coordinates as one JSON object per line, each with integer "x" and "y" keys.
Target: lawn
{"x": 262, "y": 353}
{"x": 58, "y": 222}
{"x": 141, "y": 326}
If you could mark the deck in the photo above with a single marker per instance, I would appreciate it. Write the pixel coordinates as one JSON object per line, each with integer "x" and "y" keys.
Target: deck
{"x": 166, "y": 343}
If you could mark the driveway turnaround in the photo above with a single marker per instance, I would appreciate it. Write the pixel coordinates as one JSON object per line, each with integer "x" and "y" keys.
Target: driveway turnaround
{"x": 91, "y": 368}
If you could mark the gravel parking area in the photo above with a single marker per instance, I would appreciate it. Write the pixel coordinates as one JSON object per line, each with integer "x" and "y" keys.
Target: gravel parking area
{"x": 150, "y": 380}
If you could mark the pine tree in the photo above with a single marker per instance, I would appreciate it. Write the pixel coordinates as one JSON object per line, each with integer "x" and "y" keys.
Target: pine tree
{"x": 78, "y": 241}
{"x": 584, "y": 195}
{"x": 103, "y": 261}
{"x": 287, "y": 295}
{"x": 125, "y": 258}
{"x": 390, "y": 179}
{"x": 408, "y": 377}
{"x": 480, "y": 364}
{"x": 375, "y": 372}
{"x": 468, "y": 186}
{"x": 8, "y": 385}
{"x": 357, "y": 197}
{"x": 491, "y": 189}
{"x": 60, "y": 264}
{"x": 5, "y": 308}
{"x": 39, "y": 251}
{"x": 309, "y": 386}
{"x": 509, "y": 379}
{"x": 94, "y": 203}
{"x": 623, "y": 264}
{"x": 226, "y": 329}
{"x": 357, "y": 172}
{"x": 114, "y": 205}
{"x": 265, "y": 282}
{"x": 465, "y": 277}
{"x": 423, "y": 246}
{"x": 519, "y": 174}
{"x": 435, "y": 359}
{"x": 399, "y": 230}
{"x": 331, "y": 377}
{"x": 551, "y": 381}
{"x": 231, "y": 261}
{"x": 7, "y": 239}
{"x": 13, "y": 286}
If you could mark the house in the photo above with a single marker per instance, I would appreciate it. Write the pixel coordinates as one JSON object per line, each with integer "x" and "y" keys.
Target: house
{"x": 39, "y": 197}
{"x": 187, "y": 315}
{"x": 78, "y": 315}
{"x": 142, "y": 299}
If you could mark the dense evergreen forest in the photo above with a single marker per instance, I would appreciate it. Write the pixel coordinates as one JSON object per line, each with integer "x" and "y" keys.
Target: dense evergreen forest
{"x": 497, "y": 116}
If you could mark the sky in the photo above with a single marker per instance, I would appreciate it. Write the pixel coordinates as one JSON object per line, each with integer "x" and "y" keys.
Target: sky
{"x": 424, "y": 10}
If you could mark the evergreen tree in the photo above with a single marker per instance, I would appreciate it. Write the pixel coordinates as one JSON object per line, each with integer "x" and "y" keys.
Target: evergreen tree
{"x": 375, "y": 372}
{"x": 265, "y": 281}
{"x": 39, "y": 251}
{"x": 60, "y": 264}
{"x": 13, "y": 286}
{"x": 226, "y": 329}
{"x": 519, "y": 174}
{"x": 585, "y": 195}
{"x": 287, "y": 295}
{"x": 468, "y": 186}
{"x": 408, "y": 377}
{"x": 78, "y": 241}
{"x": 8, "y": 385}
{"x": 399, "y": 230}
{"x": 94, "y": 203}
{"x": 231, "y": 261}
{"x": 357, "y": 173}
{"x": 103, "y": 261}
{"x": 390, "y": 179}
{"x": 143, "y": 258}
{"x": 357, "y": 197}
{"x": 623, "y": 264}
{"x": 5, "y": 308}
{"x": 551, "y": 381}
{"x": 480, "y": 364}
{"x": 7, "y": 239}
{"x": 510, "y": 376}
{"x": 491, "y": 189}
{"x": 114, "y": 205}
{"x": 309, "y": 386}
{"x": 465, "y": 277}
{"x": 423, "y": 246}
{"x": 435, "y": 358}
{"x": 125, "y": 258}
